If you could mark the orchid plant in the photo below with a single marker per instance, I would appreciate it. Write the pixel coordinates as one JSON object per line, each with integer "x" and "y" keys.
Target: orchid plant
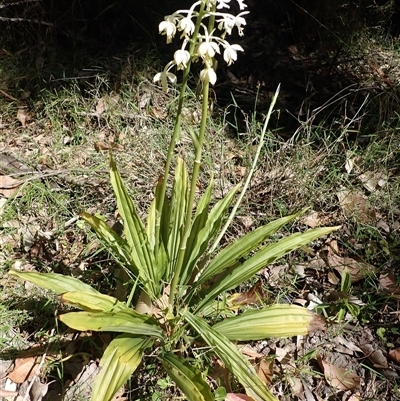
{"x": 179, "y": 275}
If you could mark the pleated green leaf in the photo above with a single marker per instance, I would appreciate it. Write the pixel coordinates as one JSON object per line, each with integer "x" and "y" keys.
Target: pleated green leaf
{"x": 92, "y": 302}
{"x": 136, "y": 236}
{"x": 236, "y": 275}
{"x": 178, "y": 206}
{"x": 232, "y": 359}
{"x": 242, "y": 247}
{"x": 55, "y": 282}
{"x": 123, "y": 321}
{"x": 204, "y": 236}
{"x": 272, "y": 321}
{"x": 117, "y": 245}
{"x": 187, "y": 378}
{"x": 121, "y": 358}
{"x": 199, "y": 222}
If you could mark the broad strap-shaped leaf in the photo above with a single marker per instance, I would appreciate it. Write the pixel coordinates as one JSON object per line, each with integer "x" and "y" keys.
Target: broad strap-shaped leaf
{"x": 200, "y": 218}
{"x": 123, "y": 321}
{"x": 55, "y": 282}
{"x": 238, "y": 274}
{"x": 242, "y": 247}
{"x": 232, "y": 358}
{"x": 187, "y": 378}
{"x": 116, "y": 245}
{"x": 204, "y": 236}
{"x": 178, "y": 206}
{"x": 136, "y": 236}
{"x": 120, "y": 359}
{"x": 92, "y": 302}
{"x": 151, "y": 224}
{"x": 272, "y": 321}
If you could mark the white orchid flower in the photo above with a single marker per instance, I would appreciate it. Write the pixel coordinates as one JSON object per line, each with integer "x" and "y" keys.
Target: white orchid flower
{"x": 230, "y": 53}
{"x": 208, "y": 75}
{"x": 207, "y": 50}
{"x": 242, "y": 6}
{"x": 223, "y": 4}
{"x": 228, "y": 22}
{"x": 168, "y": 28}
{"x": 186, "y": 26}
{"x": 165, "y": 76}
{"x": 181, "y": 57}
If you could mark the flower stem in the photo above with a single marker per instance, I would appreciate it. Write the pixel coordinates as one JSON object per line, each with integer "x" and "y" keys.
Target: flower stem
{"x": 177, "y": 126}
{"x": 192, "y": 193}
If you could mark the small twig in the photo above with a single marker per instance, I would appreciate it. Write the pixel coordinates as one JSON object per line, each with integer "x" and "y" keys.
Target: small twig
{"x": 5, "y": 94}
{"x": 18, "y": 2}
{"x": 35, "y": 21}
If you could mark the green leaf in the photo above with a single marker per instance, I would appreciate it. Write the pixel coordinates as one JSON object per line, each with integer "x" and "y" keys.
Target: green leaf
{"x": 201, "y": 215}
{"x": 272, "y": 321}
{"x": 55, "y": 282}
{"x": 205, "y": 235}
{"x": 178, "y": 205}
{"x": 187, "y": 378}
{"x": 92, "y": 302}
{"x": 232, "y": 277}
{"x": 123, "y": 321}
{"x": 232, "y": 358}
{"x": 136, "y": 235}
{"x": 242, "y": 247}
{"x": 121, "y": 358}
{"x": 151, "y": 225}
{"x": 115, "y": 243}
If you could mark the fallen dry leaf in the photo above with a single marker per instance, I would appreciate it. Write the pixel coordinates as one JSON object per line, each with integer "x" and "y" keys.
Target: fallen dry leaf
{"x": 265, "y": 370}
{"x": 349, "y": 164}
{"x": 355, "y": 397}
{"x": 250, "y": 353}
{"x": 100, "y": 145}
{"x": 23, "y": 116}
{"x": 317, "y": 219}
{"x": 24, "y": 369}
{"x": 296, "y": 386}
{"x": 253, "y": 296}
{"x": 338, "y": 378}
{"x": 221, "y": 373}
{"x": 388, "y": 283}
{"x": 9, "y": 185}
{"x": 329, "y": 257}
{"x": 106, "y": 103}
{"x": 375, "y": 356}
{"x": 38, "y": 390}
{"x": 373, "y": 181}
{"x": 355, "y": 205}
{"x": 394, "y": 355}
